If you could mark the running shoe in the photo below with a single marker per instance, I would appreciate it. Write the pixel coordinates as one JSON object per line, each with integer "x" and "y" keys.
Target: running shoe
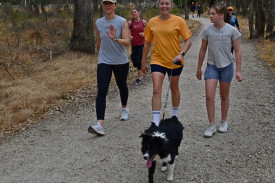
{"x": 211, "y": 129}
{"x": 97, "y": 129}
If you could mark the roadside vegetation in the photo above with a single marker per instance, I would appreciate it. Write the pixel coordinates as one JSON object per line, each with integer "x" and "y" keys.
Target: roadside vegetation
{"x": 265, "y": 46}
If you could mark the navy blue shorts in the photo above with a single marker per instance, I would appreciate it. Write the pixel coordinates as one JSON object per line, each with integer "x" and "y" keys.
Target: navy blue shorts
{"x": 164, "y": 70}
{"x": 136, "y": 56}
{"x": 224, "y": 74}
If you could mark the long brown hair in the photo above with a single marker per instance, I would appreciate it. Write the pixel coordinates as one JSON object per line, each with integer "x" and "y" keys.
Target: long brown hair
{"x": 221, "y": 9}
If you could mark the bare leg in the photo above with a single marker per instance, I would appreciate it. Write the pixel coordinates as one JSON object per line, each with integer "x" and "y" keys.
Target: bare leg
{"x": 210, "y": 89}
{"x": 175, "y": 92}
{"x": 157, "y": 78}
{"x": 224, "y": 94}
{"x": 139, "y": 74}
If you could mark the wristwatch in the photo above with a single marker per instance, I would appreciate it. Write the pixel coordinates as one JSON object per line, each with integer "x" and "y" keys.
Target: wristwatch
{"x": 182, "y": 53}
{"x": 116, "y": 39}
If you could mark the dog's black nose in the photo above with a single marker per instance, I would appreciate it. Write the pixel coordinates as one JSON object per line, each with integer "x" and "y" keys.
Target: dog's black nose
{"x": 145, "y": 157}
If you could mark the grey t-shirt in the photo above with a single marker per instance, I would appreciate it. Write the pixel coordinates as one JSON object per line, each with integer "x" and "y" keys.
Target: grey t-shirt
{"x": 111, "y": 52}
{"x": 220, "y": 42}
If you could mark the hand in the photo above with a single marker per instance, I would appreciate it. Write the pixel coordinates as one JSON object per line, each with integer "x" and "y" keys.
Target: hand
{"x": 178, "y": 59}
{"x": 144, "y": 68}
{"x": 112, "y": 33}
{"x": 199, "y": 73}
{"x": 239, "y": 76}
{"x": 141, "y": 34}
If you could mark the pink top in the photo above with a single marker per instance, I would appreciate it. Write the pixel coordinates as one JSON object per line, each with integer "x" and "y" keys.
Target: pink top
{"x": 136, "y": 28}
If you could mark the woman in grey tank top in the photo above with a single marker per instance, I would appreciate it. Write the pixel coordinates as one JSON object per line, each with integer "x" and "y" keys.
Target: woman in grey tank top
{"x": 112, "y": 34}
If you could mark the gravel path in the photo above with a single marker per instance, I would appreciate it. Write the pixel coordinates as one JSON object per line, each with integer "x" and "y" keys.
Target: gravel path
{"x": 61, "y": 150}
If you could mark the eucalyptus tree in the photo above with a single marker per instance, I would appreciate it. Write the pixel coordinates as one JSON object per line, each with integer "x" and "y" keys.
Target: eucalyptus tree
{"x": 270, "y": 16}
{"x": 83, "y": 30}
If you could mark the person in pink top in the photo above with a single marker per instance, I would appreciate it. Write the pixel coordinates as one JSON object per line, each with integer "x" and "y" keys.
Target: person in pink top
{"x": 137, "y": 25}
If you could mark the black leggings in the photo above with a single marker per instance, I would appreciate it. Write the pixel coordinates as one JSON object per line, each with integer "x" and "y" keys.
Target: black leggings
{"x": 104, "y": 75}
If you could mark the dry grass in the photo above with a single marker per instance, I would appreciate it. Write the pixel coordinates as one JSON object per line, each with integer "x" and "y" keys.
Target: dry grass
{"x": 267, "y": 53}
{"x": 28, "y": 98}
{"x": 264, "y": 46}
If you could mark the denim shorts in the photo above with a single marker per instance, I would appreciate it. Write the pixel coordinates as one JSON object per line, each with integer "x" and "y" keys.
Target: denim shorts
{"x": 224, "y": 74}
{"x": 163, "y": 70}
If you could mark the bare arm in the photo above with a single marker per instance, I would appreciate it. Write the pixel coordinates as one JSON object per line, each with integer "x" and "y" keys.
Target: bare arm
{"x": 203, "y": 49}
{"x": 98, "y": 40}
{"x": 129, "y": 25}
{"x": 144, "y": 56}
{"x": 125, "y": 40}
{"x": 185, "y": 48}
{"x": 238, "y": 55}
{"x": 141, "y": 34}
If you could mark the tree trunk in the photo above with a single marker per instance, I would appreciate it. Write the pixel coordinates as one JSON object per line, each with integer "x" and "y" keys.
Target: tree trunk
{"x": 270, "y": 16}
{"x": 83, "y": 33}
{"x": 95, "y": 7}
{"x": 186, "y": 10}
{"x": 34, "y": 4}
{"x": 251, "y": 19}
{"x": 212, "y": 2}
{"x": 260, "y": 19}
{"x": 43, "y": 3}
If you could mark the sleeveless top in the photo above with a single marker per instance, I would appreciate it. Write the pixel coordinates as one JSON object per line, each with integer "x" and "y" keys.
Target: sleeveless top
{"x": 136, "y": 28}
{"x": 110, "y": 52}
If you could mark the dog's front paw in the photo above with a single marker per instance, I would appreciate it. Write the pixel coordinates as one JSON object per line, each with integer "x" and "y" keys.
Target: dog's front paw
{"x": 163, "y": 169}
{"x": 170, "y": 178}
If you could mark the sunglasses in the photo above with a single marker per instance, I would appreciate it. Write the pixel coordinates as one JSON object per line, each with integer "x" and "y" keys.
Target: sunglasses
{"x": 229, "y": 10}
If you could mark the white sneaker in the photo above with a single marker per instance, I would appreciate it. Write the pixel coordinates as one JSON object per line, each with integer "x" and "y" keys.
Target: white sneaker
{"x": 223, "y": 127}
{"x": 211, "y": 129}
{"x": 124, "y": 114}
{"x": 97, "y": 129}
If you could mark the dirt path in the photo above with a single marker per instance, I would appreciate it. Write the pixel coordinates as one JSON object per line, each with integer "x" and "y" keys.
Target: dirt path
{"x": 61, "y": 150}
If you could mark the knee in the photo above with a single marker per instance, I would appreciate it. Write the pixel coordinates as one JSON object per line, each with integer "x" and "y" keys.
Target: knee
{"x": 175, "y": 90}
{"x": 224, "y": 98}
{"x": 210, "y": 98}
{"x": 157, "y": 91}
{"x": 102, "y": 92}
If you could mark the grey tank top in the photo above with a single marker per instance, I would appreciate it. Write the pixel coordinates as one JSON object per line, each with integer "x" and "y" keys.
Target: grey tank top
{"x": 111, "y": 52}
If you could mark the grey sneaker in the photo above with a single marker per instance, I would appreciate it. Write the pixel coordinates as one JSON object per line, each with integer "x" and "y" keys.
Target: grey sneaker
{"x": 97, "y": 129}
{"x": 223, "y": 127}
{"x": 124, "y": 114}
{"x": 138, "y": 82}
{"x": 211, "y": 129}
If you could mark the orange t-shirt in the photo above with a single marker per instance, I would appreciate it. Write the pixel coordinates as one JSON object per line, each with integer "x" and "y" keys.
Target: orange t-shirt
{"x": 165, "y": 34}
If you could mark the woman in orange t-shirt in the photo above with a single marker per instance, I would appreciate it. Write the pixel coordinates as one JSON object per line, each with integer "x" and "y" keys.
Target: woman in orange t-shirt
{"x": 165, "y": 30}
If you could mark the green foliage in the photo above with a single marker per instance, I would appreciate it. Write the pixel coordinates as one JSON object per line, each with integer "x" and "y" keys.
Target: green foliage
{"x": 149, "y": 13}
{"x": 123, "y": 12}
{"x": 176, "y": 11}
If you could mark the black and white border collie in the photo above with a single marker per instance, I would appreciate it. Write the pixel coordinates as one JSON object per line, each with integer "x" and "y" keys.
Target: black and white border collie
{"x": 161, "y": 144}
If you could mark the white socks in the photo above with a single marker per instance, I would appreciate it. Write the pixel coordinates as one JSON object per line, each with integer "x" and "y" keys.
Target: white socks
{"x": 156, "y": 116}
{"x": 175, "y": 111}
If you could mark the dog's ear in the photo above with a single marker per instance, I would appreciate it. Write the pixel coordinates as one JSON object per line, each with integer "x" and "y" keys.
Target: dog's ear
{"x": 145, "y": 136}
